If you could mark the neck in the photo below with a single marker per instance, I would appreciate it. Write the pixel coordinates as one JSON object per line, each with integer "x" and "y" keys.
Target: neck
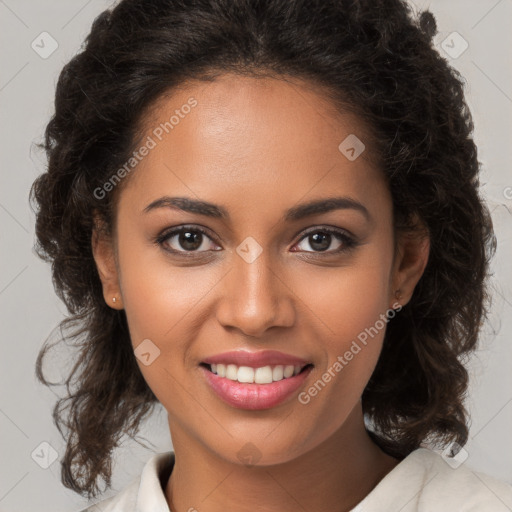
{"x": 335, "y": 476}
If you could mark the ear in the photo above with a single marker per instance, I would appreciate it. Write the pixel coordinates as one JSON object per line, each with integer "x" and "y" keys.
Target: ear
{"x": 103, "y": 250}
{"x": 411, "y": 258}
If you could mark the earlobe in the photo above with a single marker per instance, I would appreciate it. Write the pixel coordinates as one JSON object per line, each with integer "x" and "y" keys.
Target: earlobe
{"x": 104, "y": 256}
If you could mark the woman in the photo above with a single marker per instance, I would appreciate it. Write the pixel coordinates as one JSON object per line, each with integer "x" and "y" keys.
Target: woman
{"x": 265, "y": 216}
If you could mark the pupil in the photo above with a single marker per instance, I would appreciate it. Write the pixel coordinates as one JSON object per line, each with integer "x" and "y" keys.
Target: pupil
{"x": 324, "y": 242}
{"x": 190, "y": 240}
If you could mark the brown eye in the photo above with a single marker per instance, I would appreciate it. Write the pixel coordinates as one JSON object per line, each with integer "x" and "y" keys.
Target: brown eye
{"x": 321, "y": 239}
{"x": 185, "y": 239}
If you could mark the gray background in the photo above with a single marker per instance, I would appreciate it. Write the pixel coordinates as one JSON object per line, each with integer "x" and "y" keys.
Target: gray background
{"x": 30, "y": 309}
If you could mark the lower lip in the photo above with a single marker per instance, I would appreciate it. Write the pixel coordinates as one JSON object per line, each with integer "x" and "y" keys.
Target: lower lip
{"x": 255, "y": 396}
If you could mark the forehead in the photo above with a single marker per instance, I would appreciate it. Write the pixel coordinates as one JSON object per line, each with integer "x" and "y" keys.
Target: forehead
{"x": 251, "y": 141}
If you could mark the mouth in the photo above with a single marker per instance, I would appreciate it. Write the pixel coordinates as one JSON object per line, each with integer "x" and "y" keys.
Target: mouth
{"x": 255, "y": 380}
{"x": 257, "y": 375}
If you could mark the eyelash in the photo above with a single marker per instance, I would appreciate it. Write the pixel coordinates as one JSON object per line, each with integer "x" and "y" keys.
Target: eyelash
{"x": 347, "y": 241}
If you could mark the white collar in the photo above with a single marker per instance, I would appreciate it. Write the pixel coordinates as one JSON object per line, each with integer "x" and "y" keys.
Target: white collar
{"x": 150, "y": 496}
{"x": 421, "y": 482}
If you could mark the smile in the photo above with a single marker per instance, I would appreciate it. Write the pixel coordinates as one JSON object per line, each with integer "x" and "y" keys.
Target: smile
{"x": 255, "y": 381}
{"x": 261, "y": 375}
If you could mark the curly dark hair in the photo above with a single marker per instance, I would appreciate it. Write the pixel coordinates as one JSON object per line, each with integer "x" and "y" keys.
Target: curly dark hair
{"x": 373, "y": 57}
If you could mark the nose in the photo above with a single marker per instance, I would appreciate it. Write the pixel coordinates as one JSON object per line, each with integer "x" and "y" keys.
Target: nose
{"x": 255, "y": 297}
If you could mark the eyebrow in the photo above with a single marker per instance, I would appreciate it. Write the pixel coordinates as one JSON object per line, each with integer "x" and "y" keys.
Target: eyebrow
{"x": 299, "y": 212}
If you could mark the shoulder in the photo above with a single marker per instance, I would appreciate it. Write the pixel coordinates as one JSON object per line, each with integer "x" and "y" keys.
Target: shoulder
{"x": 426, "y": 481}
{"x": 144, "y": 493}
{"x": 124, "y": 500}
{"x": 456, "y": 486}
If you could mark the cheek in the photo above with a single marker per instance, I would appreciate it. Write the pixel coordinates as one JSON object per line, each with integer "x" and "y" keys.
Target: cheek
{"x": 164, "y": 304}
{"x": 353, "y": 307}
{"x": 351, "y": 355}
{"x": 157, "y": 295}
{"x": 157, "y": 299}
{"x": 355, "y": 302}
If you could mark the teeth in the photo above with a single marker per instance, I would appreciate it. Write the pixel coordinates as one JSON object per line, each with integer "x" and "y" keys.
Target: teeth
{"x": 288, "y": 371}
{"x": 231, "y": 372}
{"x": 245, "y": 374}
{"x": 277, "y": 373}
{"x": 262, "y": 375}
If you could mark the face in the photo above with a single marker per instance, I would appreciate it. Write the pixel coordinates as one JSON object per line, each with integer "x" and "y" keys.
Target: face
{"x": 256, "y": 278}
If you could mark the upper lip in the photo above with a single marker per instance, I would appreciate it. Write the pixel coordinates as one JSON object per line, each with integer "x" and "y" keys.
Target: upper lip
{"x": 256, "y": 359}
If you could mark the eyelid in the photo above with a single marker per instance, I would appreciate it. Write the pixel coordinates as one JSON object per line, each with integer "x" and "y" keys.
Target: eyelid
{"x": 168, "y": 233}
{"x": 327, "y": 228}
{"x": 347, "y": 238}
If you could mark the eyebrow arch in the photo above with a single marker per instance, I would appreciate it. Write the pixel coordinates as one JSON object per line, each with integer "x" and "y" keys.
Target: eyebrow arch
{"x": 314, "y": 207}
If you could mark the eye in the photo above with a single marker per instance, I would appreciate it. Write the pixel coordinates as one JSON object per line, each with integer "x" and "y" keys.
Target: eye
{"x": 320, "y": 239}
{"x": 194, "y": 239}
{"x": 185, "y": 239}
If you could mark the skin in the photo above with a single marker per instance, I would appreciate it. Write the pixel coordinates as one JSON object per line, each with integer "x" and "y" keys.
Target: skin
{"x": 258, "y": 147}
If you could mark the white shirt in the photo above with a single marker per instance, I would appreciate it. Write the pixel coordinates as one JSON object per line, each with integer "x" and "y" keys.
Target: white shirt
{"x": 422, "y": 482}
